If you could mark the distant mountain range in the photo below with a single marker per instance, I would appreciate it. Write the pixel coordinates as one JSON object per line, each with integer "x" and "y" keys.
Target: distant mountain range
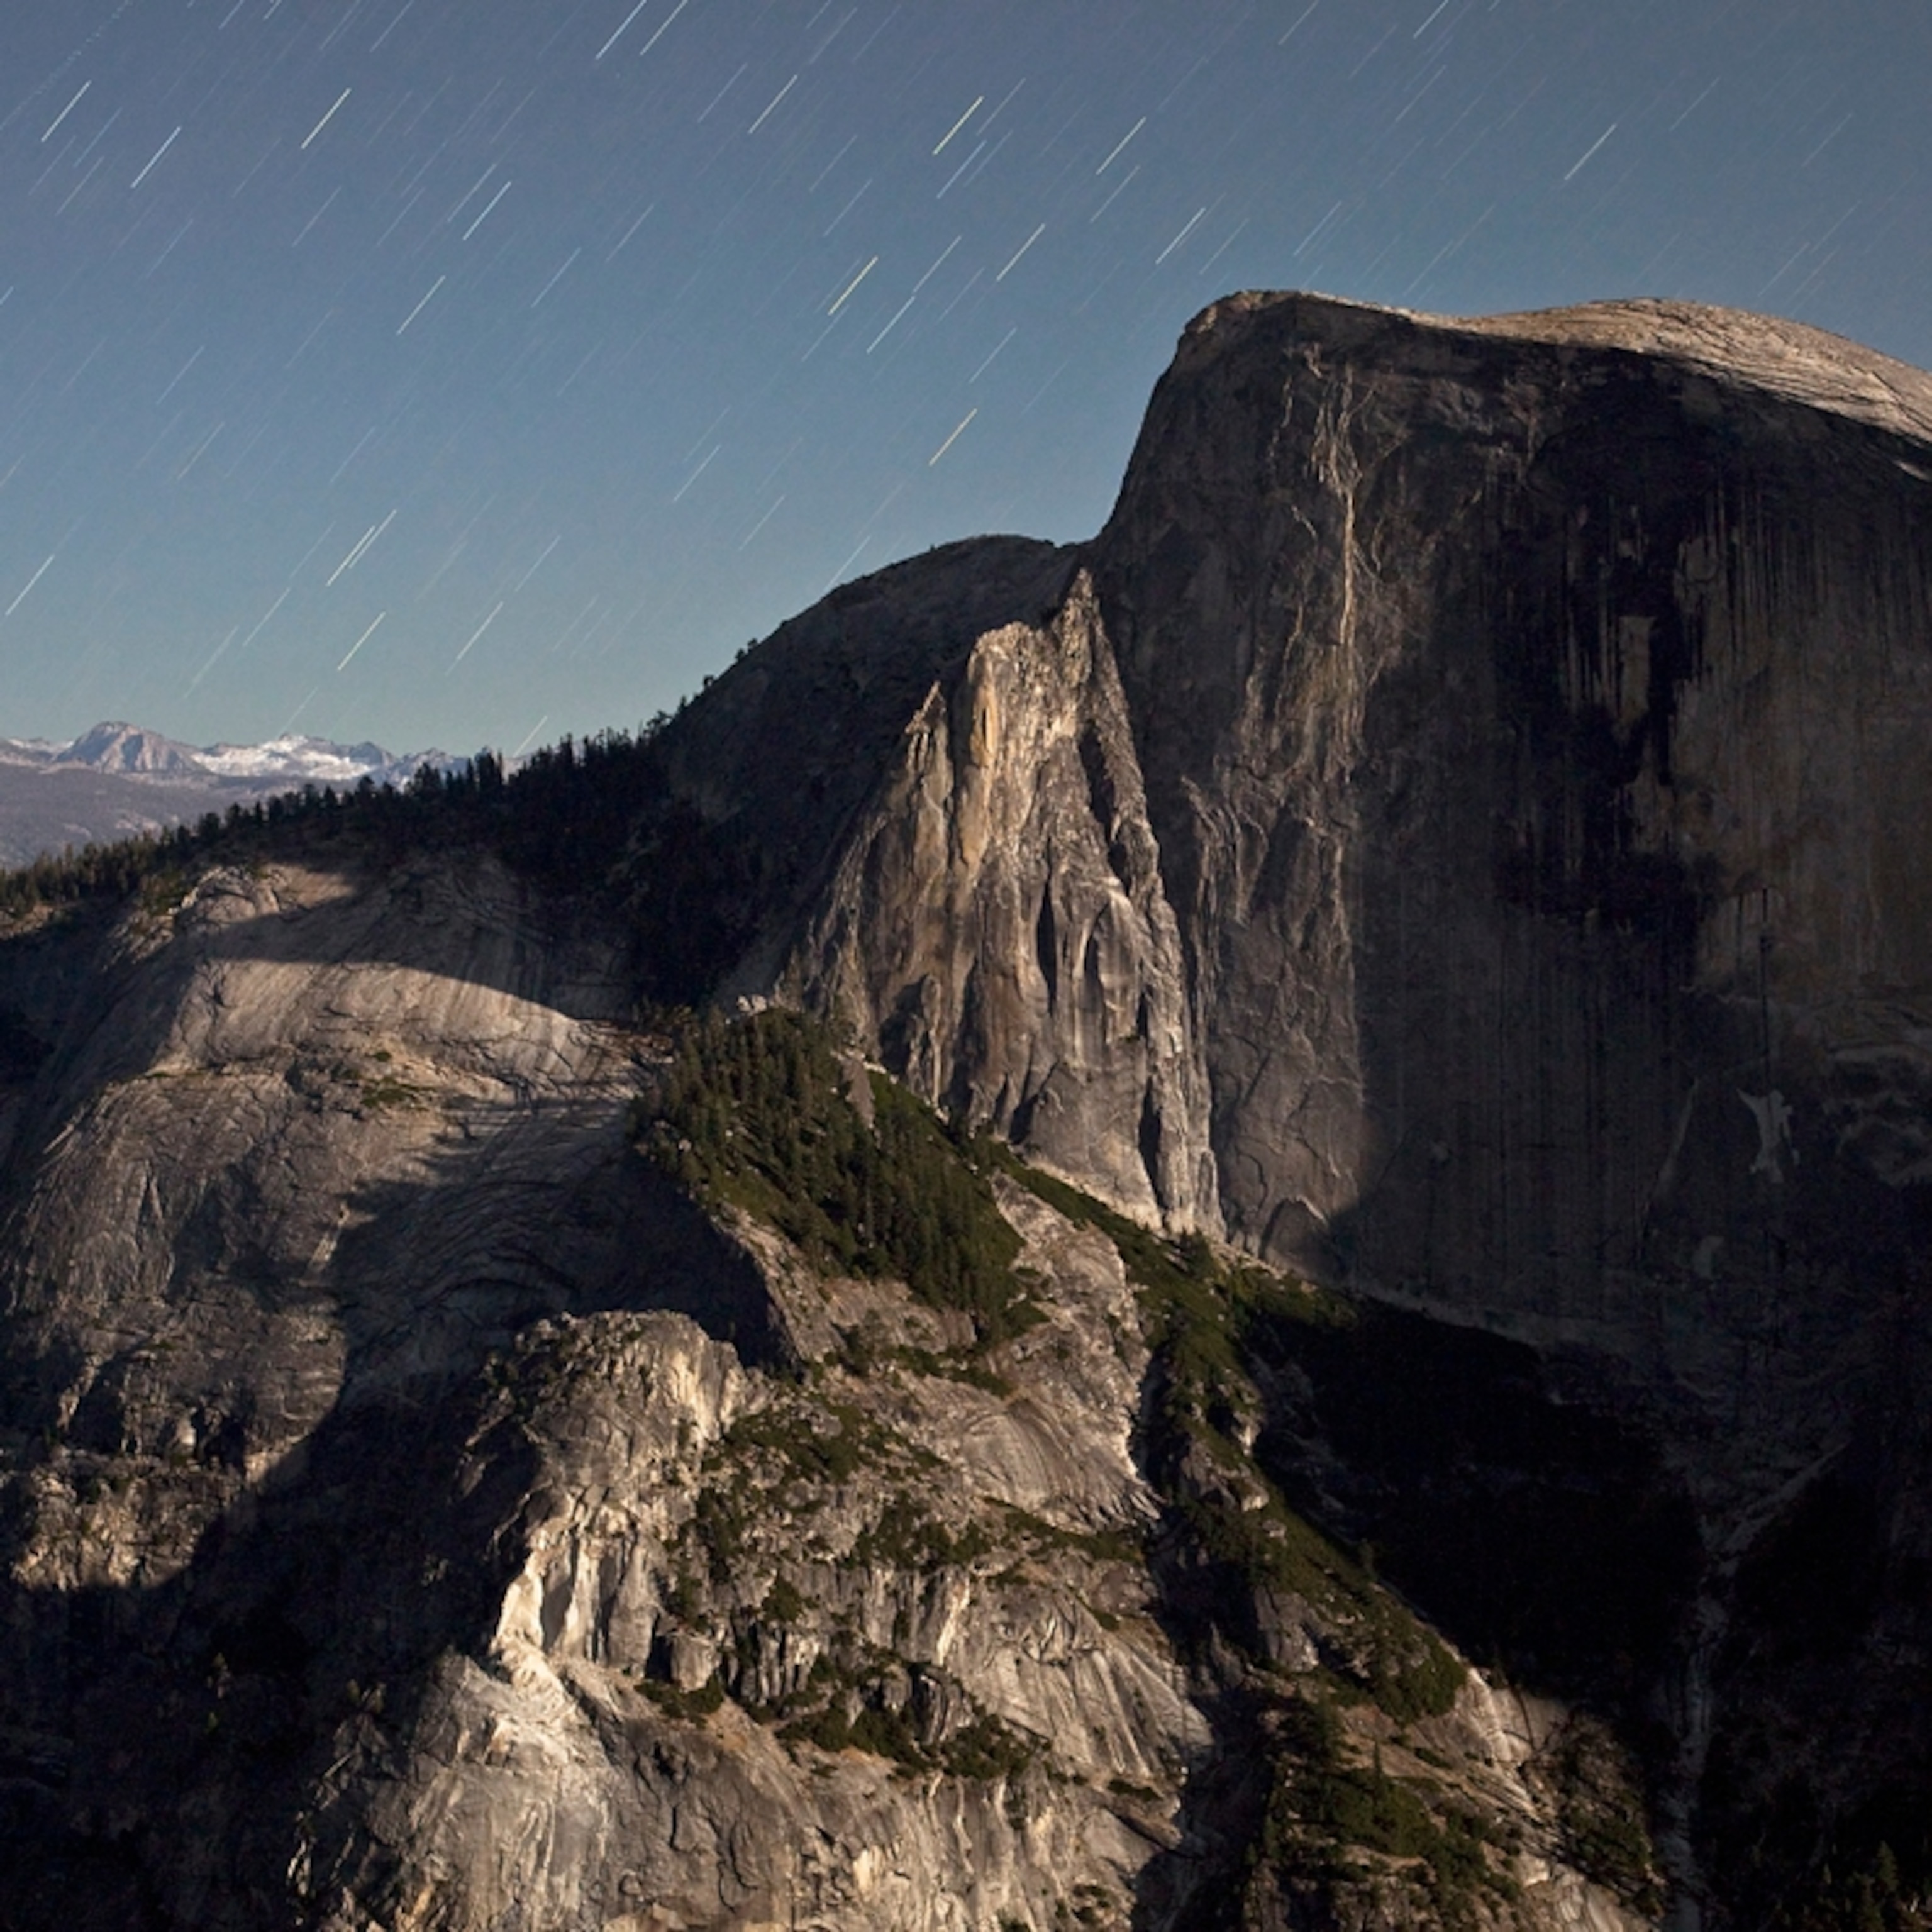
{"x": 118, "y": 778}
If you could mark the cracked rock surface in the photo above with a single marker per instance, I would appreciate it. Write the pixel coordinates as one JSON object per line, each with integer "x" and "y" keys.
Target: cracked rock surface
{"x": 421, "y": 1513}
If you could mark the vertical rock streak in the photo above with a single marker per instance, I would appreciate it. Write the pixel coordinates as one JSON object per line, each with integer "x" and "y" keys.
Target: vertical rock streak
{"x": 1513, "y": 682}
{"x": 998, "y": 929}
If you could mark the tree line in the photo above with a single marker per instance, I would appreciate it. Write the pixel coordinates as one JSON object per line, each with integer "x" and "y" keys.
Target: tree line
{"x": 758, "y": 1112}
{"x": 597, "y": 815}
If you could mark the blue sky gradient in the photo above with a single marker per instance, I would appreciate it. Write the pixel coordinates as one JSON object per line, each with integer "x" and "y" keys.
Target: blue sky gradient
{"x": 469, "y": 371}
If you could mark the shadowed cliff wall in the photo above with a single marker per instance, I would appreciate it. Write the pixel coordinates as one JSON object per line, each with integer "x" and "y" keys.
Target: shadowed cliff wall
{"x": 1532, "y": 733}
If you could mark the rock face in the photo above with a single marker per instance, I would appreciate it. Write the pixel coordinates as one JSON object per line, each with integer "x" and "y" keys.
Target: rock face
{"x": 1531, "y": 715}
{"x": 1450, "y": 835}
{"x": 1579, "y": 660}
{"x": 420, "y": 1512}
{"x": 999, "y": 926}
{"x": 1523, "y": 735}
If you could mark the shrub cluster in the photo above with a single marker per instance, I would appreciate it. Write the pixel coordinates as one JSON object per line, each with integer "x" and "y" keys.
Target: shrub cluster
{"x": 754, "y": 1112}
{"x": 984, "y": 1749}
{"x": 1859, "y": 1895}
{"x": 1324, "y": 1811}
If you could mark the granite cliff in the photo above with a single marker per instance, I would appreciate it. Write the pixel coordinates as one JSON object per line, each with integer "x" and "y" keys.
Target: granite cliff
{"x": 1414, "y": 929}
{"x": 434, "y": 1501}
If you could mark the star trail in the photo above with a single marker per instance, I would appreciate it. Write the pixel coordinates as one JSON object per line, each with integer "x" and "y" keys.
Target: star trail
{"x": 450, "y": 371}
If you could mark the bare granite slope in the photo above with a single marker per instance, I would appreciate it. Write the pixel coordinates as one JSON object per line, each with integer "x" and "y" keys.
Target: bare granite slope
{"x": 419, "y": 1512}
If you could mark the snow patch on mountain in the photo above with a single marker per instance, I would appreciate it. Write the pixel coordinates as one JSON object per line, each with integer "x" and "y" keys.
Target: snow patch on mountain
{"x": 119, "y": 779}
{"x": 130, "y": 751}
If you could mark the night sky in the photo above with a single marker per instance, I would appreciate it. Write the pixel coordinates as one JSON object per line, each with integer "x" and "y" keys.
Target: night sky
{"x": 457, "y": 372}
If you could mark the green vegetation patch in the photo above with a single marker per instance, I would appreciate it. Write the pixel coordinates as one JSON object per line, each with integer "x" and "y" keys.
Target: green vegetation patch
{"x": 386, "y": 1091}
{"x": 984, "y": 1748}
{"x": 691, "y": 1706}
{"x": 720, "y": 1524}
{"x": 779, "y": 1463}
{"x": 753, "y": 1113}
{"x": 1205, "y": 1312}
{"x": 1097, "y": 1546}
{"x": 1385, "y": 1654}
{"x": 164, "y": 891}
{"x": 784, "y": 1603}
{"x": 906, "y": 1537}
{"x": 858, "y": 1697}
{"x": 1182, "y": 1278}
{"x": 828, "y": 1442}
{"x": 1323, "y": 1811}
{"x": 1600, "y": 1812}
{"x": 1866, "y": 1895}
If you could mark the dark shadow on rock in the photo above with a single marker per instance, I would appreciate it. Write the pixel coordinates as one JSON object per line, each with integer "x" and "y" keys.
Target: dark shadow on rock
{"x": 1821, "y": 1757}
{"x": 1205, "y": 1609}
{"x": 201, "y": 1717}
{"x": 487, "y": 1252}
{"x": 1544, "y": 1535}
{"x": 790, "y": 743}
{"x": 1547, "y": 1539}
{"x": 1570, "y": 1116}
{"x": 1199, "y": 1885}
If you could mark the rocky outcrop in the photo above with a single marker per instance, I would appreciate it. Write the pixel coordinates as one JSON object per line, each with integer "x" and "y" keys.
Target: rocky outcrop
{"x": 1528, "y": 712}
{"x": 999, "y": 927}
{"x": 586, "y": 1768}
{"x": 784, "y": 751}
{"x": 1448, "y": 834}
{"x": 420, "y": 1511}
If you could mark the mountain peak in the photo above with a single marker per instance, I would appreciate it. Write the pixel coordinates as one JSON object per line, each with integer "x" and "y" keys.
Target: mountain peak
{"x": 1733, "y": 347}
{"x": 115, "y": 746}
{"x": 118, "y": 778}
